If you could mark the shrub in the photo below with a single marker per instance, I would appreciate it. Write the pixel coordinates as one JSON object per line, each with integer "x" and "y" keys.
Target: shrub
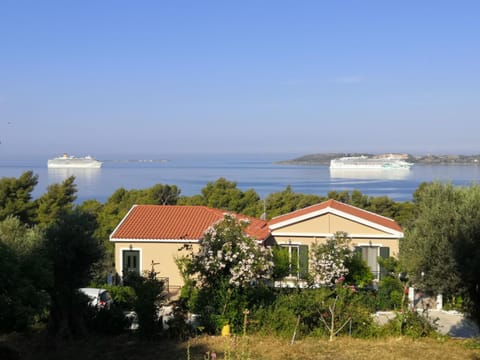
{"x": 148, "y": 292}
{"x": 225, "y": 268}
{"x": 123, "y": 296}
{"x": 409, "y": 323}
{"x": 107, "y": 321}
{"x": 313, "y": 310}
{"x": 390, "y": 294}
{"x": 280, "y": 318}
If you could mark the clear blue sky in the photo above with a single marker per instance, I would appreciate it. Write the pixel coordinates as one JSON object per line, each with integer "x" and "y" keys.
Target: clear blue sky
{"x": 158, "y": 77}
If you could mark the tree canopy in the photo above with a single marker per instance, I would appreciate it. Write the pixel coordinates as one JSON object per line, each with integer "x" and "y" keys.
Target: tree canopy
{"x": 16, "y": 197}
{"x": 225, "y": 195}
{"x": 58, "y": 199}
{"x": 441, "y": 250}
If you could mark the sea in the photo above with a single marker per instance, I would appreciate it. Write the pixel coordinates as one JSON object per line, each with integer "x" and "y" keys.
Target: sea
{"x": 191, "y": 172}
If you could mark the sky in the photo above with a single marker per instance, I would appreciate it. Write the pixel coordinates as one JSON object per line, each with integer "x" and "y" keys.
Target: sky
{"x": 266, "y": 76}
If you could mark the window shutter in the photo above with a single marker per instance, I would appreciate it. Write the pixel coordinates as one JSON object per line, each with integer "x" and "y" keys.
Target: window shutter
{"x": 384, "y": 254}
{"x": 303, "y": 263}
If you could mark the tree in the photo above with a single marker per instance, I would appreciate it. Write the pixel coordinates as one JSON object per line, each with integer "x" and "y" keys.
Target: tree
{"x": 58, "y": 199}
{"x": 161, "y": 194}
{"x": 225, "y": 195}
{"x": 72, "y": 249}
{"x": 441, "y": 250}
{"x": 286, "y": 201}
{"x": 427, "y": 250}
{"x": 24, "y": 275}
{"x": 16, "y": 197}
{"x": 467, "y": 248}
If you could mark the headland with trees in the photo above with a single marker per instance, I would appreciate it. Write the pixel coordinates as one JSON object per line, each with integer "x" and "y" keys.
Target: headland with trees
{"x": 427, "y": 159}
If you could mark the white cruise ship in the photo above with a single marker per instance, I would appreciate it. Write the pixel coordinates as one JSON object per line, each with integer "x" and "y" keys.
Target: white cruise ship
{"x": 68, "y": 161}
{"x": 364, "y": 163}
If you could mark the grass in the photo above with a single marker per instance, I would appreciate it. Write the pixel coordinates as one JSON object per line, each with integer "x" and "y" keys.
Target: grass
{"x": 35, "y": 346}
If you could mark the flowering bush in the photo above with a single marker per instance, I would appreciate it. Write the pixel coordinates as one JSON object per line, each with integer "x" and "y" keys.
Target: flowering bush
{"x": 218, "y": 276}
{"x": 226, "y": 252}
{"x": 328, "y": 260}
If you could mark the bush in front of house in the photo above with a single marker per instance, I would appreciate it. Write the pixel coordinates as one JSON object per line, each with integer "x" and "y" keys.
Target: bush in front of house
{"x": 224, "y": 274}
{"x": 409, "y": 323}
{"x": 390, "y": 294}
{"x": 309, "y": 312}
{"x": 148, "y": 296}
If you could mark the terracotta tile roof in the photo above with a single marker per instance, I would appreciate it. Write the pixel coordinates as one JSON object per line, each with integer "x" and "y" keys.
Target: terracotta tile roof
{"x": 347, "y": 209}
{"x": 177, "y": 222}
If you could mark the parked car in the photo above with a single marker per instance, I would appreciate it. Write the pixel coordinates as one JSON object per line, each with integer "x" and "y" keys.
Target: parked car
{"x": 99, "y": 298}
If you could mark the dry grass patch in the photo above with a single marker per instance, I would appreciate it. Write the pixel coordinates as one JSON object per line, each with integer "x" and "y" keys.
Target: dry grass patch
{"x": 250, "y": 347}
{"x": 342, "y": 348}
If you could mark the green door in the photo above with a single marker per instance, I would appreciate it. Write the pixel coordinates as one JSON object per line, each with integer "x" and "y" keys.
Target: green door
{"x": 131, "y": 261}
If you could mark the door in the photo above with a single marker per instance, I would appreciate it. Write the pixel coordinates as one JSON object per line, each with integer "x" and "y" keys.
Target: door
{"x": 131, "y": 261}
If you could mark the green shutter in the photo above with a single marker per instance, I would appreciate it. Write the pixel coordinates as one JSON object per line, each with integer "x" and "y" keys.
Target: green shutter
{"x": 303, "y": 257}
{"x": 384, "y": 254}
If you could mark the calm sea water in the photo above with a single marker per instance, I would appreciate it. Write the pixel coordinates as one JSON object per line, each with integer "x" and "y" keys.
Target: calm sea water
{"x": 260, "y": 172}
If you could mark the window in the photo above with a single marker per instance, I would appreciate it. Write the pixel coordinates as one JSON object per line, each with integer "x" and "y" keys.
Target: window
{"x": 370, "y": 255}
{"x": 297, "y": 260}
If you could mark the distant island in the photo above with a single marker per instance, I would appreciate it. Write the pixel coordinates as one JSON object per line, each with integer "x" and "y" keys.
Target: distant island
{"x": 140, "y": 161}
{"x": 324, "y": 159}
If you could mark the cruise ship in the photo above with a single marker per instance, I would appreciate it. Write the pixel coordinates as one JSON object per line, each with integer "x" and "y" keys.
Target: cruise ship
{"x": 68, "y": 161}
{"x": 365, "y": 162}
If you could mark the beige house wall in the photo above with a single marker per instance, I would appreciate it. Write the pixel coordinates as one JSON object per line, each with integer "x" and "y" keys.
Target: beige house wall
{"x": 393, "y": 244}
{"x": 329, "y": 224}
{"x": 163, "y": 254}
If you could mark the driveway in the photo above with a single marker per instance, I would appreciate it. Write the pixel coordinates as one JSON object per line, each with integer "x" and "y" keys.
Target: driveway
{"x": 452, "y": 323}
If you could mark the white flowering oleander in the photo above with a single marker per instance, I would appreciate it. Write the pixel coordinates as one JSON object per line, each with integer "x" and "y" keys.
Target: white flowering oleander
{"x": 327, "y": 261}
{"x": 225, "y": 251}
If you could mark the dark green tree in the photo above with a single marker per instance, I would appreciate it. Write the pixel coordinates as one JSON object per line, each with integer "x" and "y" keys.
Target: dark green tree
{"x": 428, "y": 250}
{"x": 24, "y": 274}
{"x": 72, "y": 250}
{"x": 160, "y": 194}
{"x": 286, "y": 201}
{"x": 467, "y": 248}
{"x": 343, "y": 196}
{"x": 359, "y": 200}
{"x": 225, "y": 195}
{"x": 58, "y": 199}
{"x": 16, "y": 197}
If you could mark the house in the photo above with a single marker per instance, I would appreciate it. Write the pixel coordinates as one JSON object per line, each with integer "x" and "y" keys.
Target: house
{"x": 153, "y": 236}
{"x": 371, "y": 234}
